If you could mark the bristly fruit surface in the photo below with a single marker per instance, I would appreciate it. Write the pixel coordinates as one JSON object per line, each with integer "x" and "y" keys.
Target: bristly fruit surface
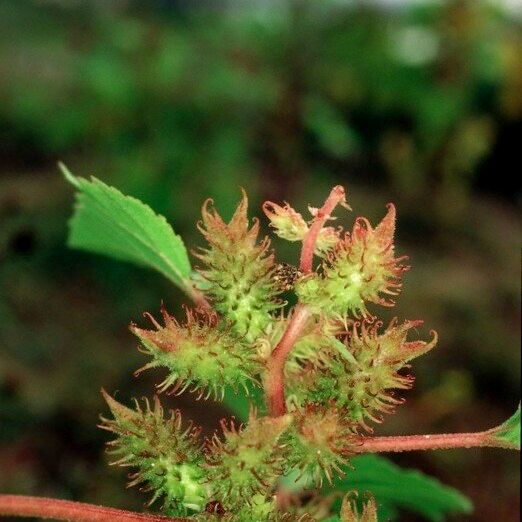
{"x": 165, "y": 457}
{"x": 361, "y": 268}
{"x": 363, "y": 380}
{"x": 247, "y": 460}
{"x": 238, "y": 270}
{"x": 202, "y": 354}
{"x": 341, "y": 371}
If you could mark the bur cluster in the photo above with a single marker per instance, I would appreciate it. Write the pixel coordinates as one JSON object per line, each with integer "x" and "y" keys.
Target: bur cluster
{"x": 344, "y": 371}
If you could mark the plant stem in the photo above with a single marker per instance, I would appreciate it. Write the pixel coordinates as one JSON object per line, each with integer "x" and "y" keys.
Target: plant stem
{"x": 25, "y": 506}
{"x": 275, "y": 380}
{"x": 197, "y": 296}
{"x": 307, "y": 253}
{"x": 482, "y": 439}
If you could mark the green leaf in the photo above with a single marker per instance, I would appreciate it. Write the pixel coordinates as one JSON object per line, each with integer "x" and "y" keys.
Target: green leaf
{"x": 407, "y": 489}
{"x": 107, "y": 222}
{"x": 508, "y": 433}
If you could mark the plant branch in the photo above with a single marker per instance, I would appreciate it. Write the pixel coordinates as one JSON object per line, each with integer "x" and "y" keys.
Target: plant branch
{"x": 482, "y": 439}
{"x": 307, "y": 253}
{"x": 197, "y": 296}
{"x": 25, "y": 506}
{"x": 275, "y": 377}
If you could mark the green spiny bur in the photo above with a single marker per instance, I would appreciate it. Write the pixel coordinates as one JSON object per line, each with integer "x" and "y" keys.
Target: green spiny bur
{"x": 339, "y": 370}
{"x": 316, "y": 346}
{"x": 247, "y": 461}
{"x": 166, "y": 457}
{"x": 201, "y": 355}
{"x": 362, "y": 268}
{"x": 239, "y": 271}
{"x": 259, "y": 509}
{"x": 320, "y": 442}
{"x": 314, "y": 352}
{"x": 363, "y": 386}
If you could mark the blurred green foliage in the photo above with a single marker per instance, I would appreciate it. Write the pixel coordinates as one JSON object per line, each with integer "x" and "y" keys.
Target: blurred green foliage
{"x": 186, "y": 92}
{"x": 177, "y": 101}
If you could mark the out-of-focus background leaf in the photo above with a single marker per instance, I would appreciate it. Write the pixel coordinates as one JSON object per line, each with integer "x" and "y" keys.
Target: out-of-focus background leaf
{"x": 174, "y": 101}
{"x": 394, "y": 487}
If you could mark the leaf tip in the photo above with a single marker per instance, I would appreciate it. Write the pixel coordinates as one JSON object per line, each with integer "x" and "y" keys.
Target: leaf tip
{"x": 68, "y": 175}
{"x": 508, "y": 433}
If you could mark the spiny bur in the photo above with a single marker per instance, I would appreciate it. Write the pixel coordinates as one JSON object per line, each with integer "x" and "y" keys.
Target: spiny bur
{"x": 361, "y": 268}
{"x": 248, "y": 460}
{"x": 319, "y": 443}
{"x": 201, "y": 354}
{"x": 238, "y": 270}
{"x": 317, "y": 346}
{"x": 258, "y": 508}
{"x": 166, "y": 457}
{"x": 364, "y": 384}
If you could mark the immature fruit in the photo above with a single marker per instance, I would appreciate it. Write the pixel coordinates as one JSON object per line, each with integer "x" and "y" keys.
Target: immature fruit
{"x": 238, "y": 271}
{"x": 248, "y": 461}
{"x": 201, "y": 355}
{"x": 286, "y": 222}
{"x": 317, "y": 345}
{"x": 361, "y": 268}
{"x": 166, "y": 457}
{"x": 364, "y": 386}
{"x": 259, "y": 508}
{"x": 256, "y": 513}
{"x": 310, "y": 360}
{"x": 320, "y": 442}
{"x": 290, "y": 225}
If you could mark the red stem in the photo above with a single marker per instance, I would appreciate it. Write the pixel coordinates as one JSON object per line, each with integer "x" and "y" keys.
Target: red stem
{"x": 307, "y": 253}
{"x": 24, "y": 506}
{"x": 483, "y": 439}
{"x": 275, "y": 380}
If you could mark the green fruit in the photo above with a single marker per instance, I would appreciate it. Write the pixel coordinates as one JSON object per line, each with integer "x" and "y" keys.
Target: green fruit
{"x": 239, "y": 271}
{"x": 166, "y": 457}
{"x": 200, "y": 355}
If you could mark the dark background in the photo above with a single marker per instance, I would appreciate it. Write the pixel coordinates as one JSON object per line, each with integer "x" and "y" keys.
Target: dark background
{"x": 416, "y": 103}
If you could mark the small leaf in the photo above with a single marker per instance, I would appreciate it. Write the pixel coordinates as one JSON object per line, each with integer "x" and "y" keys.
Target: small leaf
{"x": 394, "y": 487}
{"x": 107, "y": 222}
{"x": 508, "y": 433}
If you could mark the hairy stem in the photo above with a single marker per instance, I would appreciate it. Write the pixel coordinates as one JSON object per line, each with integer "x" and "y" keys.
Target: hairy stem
{"x": 197, "y": 297}
{"x": 482, "y": 439}
{"x": 41, "y": 507}
{"x": 307, "y": 253}
{"x": 275, "y": 380}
